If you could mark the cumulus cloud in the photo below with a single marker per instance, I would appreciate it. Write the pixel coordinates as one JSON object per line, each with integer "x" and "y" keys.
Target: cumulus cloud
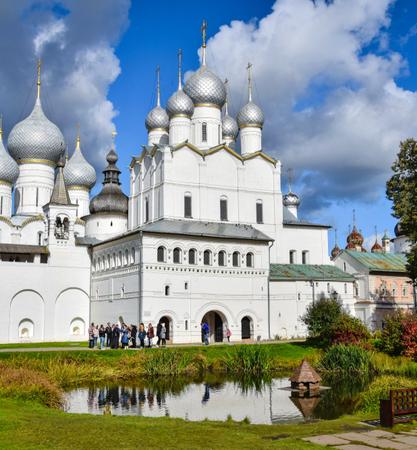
{"x": 326, "y": 79}
{"x": 75, "y": 40}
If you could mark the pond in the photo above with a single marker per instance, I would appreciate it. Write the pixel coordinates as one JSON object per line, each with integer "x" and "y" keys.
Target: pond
{"x": 217, "y": 398}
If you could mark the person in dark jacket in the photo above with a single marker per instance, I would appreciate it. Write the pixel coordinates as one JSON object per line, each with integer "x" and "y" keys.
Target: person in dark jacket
{"x": 109, "y": 333}
{"x": 133, "y": 335}
{"x": 150, "y": 335}
{"x": 102, "y": 336}
{"x": 125, "y": 336}
{"x": 158, "y": 334}
{"x": 115, "y": 336}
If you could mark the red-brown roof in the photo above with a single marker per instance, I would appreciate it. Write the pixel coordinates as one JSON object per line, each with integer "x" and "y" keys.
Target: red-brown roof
{"x": 305, "y": 374}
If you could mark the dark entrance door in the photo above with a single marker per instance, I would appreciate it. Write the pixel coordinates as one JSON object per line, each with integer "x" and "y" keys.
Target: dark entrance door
{"x": 245, "y": 328}
{"x": 218, "y": 328}
{"x": 165, "y": 320}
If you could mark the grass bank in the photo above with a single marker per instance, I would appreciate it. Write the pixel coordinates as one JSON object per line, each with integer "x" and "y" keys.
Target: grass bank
{"x": 31, "y": 426}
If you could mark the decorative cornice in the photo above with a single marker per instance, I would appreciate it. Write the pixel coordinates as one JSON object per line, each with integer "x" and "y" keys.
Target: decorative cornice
{"x": 78, "y": 188}
{"x": 250, "y": 125}
{"x": 36, "y": 161}
{"x": 38, "y": 218}
{"x": 157, "y": 129}
{"x": 186, "y": 116}
{"x": 209, "y": 105}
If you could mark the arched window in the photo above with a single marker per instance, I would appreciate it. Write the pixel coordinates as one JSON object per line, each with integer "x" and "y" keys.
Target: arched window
{"x": 146, "y": 209}
{"x": 236, "y": 259}
{"x": 293, "y": 257}
{"x": 126, "y": 257}
{"x": 223, "y": 208}
{"x": 304, "y": 257}
{"x": 177, "y": 255}
{"x": 346, "y": 288}
{"x": 161, "y": 254}
{"x": 249, "y": 259}
{"x": 222, "y": 258}
{"x": 192, "y": 256}
{"x": 207, "y": 258}
{"x": 204, "y": 132}
{"x": 187, "y": 206}
{"x": 259, "y": 212}
{"x": 166, "y": 290}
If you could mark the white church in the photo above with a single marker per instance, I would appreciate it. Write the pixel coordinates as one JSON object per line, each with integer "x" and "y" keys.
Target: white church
{"x": 205, "y": 234}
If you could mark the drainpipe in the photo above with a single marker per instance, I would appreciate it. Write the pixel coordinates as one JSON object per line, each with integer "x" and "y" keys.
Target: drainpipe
{"x": 140, "y": 309}
{"x": 268, "y": 289}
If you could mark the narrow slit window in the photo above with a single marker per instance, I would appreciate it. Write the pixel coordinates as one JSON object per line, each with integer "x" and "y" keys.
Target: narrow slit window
{"x": 259, "y": 212}
{"x": 187, "y": 206}
{"x": 223, "y": 209}
{"x": 204, "y": 132}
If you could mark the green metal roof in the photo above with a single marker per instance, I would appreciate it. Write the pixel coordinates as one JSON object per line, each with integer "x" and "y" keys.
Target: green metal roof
{"x": 380, "y": 262}
{"x": 308, "y": 272}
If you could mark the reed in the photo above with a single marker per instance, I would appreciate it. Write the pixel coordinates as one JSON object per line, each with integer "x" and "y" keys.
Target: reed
{"x": 384, "y": 364}
{"x": 248, "y": 359}
{"x": 346, "y": 359}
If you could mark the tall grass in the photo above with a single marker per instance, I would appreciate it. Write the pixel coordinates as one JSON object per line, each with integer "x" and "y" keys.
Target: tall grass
{"x": 384, "y": 364}
{"x": 347, "y": 359}
{"x": 248, "y": 360}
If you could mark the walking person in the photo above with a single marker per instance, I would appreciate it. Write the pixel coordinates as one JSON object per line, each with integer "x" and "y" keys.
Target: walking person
{"x": 205, "y": 331}
{"x": 158, "y": 334}
{"x": 228, "y": 334}
{"x": 115, "y": 336}
{"x": 109, "y": 333}
{"x": 125, "y": 336}
{"x": 133, "y": 335}
{"x": 102, "y": 336}
{"x": 150, "y": 335}
{"x": 95, "y": 336}
{"x": 142, "y": 335}
{"x": 163, "y": 335}
{"x": 91, "y": 336}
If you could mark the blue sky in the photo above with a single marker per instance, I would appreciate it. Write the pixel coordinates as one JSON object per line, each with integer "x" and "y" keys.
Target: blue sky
{"x": 336, "y": 80}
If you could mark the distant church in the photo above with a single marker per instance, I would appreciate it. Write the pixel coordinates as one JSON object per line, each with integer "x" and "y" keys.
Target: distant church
{"x": 205, "y": 234}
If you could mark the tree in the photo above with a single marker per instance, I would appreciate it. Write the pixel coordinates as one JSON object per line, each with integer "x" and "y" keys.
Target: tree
{"x": 402, "y": 191}
{"x": 320, "y": 317}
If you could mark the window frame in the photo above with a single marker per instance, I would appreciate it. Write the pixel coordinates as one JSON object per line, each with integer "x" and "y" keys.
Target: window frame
{"x": 224, "y": 216}
{"x": 259, "y": 212}
{"x": 209, "y": 253}
{"x": 164, "y": 254}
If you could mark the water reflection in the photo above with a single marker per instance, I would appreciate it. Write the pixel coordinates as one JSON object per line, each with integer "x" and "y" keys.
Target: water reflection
{"x": 214, "y": 398}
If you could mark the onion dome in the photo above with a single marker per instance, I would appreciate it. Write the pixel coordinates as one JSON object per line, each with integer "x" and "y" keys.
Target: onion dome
{"x": 36, "y": 137}
{"x": 355, "y": 238}
{"x": 157, "y": 117}
{"x": 250, "y": 115}
{"x": 204, "y": 87}
{"x": 180, "y": 104}
{"x": 229, "y": 126}
{"x": 291, "y": 199}
{"x": 398, "y": 230}
{"x": 377, "y": 248}
{"x": 335, "y": 251}
{"x": 9, "y": 170}
{"x": 111, "y": 199}
{"x": 78, "y": 171}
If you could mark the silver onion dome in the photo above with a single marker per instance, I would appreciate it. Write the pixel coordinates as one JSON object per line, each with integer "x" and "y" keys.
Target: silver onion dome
{"x": 9, "y": 170}
{"x": 180, "y": 104}
{"x": 78, "y": 171}
{"x": 229, "y": 127}
{"x": 204, "y": 87}
{"x": 111, "y": 199}
{"x": 291, "y": 199}
{"x": 250, "y": 115}
{"x": 36, "y": 137}
{"x": 157, "y": 118}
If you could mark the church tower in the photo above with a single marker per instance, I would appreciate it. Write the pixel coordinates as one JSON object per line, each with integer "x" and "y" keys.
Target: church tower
{"x": 36, "y": 144}
{"x": 250, "y": 120}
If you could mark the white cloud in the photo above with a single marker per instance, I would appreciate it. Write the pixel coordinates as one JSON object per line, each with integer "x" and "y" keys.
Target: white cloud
{"x": 75, "y": 41}
{"x": 334, "y": 111}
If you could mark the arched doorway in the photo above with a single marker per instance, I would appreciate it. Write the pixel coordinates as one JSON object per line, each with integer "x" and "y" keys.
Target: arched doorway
{"x": 168, "y": 326}
{"x": 246, "y": 327}
{"x": 217, "y": 323}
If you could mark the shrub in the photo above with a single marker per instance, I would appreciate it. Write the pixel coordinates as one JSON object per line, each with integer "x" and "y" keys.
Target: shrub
{"x": 347, "y": 359}
{"x": 248, "y": 359}
{"x": 320, "y": 317}
{"x": 391, "y": 336}
{"x": 409, "y": 336}
{"x": 348, "y": 330}
{"x": 379, "y": 389}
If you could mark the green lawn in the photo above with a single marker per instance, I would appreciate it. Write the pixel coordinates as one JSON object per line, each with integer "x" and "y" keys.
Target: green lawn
{"x": 30, "y": 426}
{"x": 44, "y": 345}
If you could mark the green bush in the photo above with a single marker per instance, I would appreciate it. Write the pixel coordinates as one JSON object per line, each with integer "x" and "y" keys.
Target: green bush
{"x": 248, "y": 360}
{"x": 320, "y": 317}
{"x": 347, "y": 359}
{"x": 391, "y": 336}
{"x": 379, "y": 389}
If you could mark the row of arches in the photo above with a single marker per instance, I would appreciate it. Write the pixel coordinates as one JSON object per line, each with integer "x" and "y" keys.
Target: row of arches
{"x": 237, "y": 259}
{"x": 114, "y": 260}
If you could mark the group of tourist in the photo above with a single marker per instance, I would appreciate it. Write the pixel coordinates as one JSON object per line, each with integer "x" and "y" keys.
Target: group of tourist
{"x": 126, "y": 336}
